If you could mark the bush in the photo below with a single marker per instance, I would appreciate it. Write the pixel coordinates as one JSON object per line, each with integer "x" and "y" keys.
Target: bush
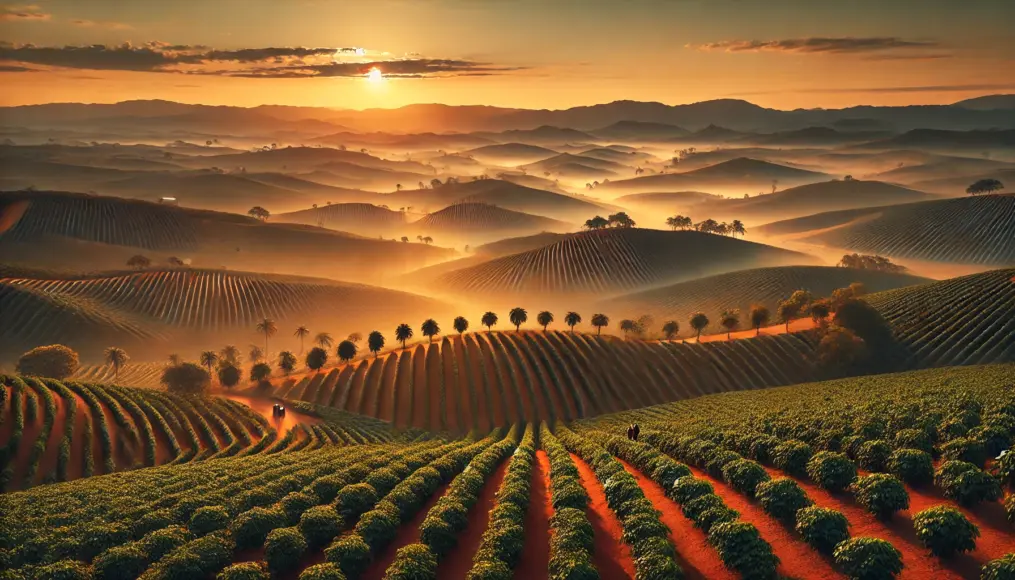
{"x": 971, "y": 487}
{"x": 295, "y": 503}
{"x": 327, "y": 571}
{"x": 949, "y": 471}
{"x": 743, "y": 550}
{"x": 350, "y": 553}
{"x": 963, "y": 449}
{"x": 851, "y": 445}
{"x": 689, "y": 487}
{"x": 497, "y": 570}
{"x": 873, "y": 455}
{"x": 244, "y": 571}
{"x": 782, "y": 498}
{"x": 572, "y": 531}
{"x": 744, "y": 475}
{"x": 832, "y": 471}
{"x": 763, "y": 448}
{"x": 413, "y": 562}
{"x": 1002, "y": 568}
{"x": 945, "y": 531}
{"x": 55, "y": 361}
{"x": 252, "y": 526}
{"x": 822, "y": 528}
{"x": 186, "y": 379}
{"x": 161, "y": 542}
{"x": 868, "y": 559}
{"x": 912, "y": 466}
{"x": 283, "y": 549}
{"x": 569, "y": 494}
{"x": 699, "y": 505}
{"x": 377, "y": 527}
{"x": 668, "y": 472}
{"x": 125, "y": 562}
{"x": 913, "y": 439}
{"x": 209, "y": 519}
{"x": 716, "y": 515}
{"x": 229, "y": 375}
{"x": 995, "y": 439}
{"x": 792, "y": 457}
{"x": 355, "y": 500}
{"x": 64, "y": 570}
{"x": 1009, "y": 508}
{"x": 320, "y": 525}
{"x": 881, "y": 494}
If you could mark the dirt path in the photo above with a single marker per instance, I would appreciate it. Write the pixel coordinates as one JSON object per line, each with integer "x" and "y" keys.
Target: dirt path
{"x": 420, "y": 389}
{"x": 696, "y": 556}
{"x": 797, "y": 558}
{"x": 488, "y": 402}
{"x": 28, "y": 438}
{"x": 535, "y": 560}
{"x": 798, "y": 325}
{"x": 612, "y": 556}
{"x": 408, "y": 533}
{"x": 384, "y": 401}
{"x": 457, "y": 564}
{"x": 403, "y": 390}
{"x": 453, "y": 414}
{"x": 264, "y": 406}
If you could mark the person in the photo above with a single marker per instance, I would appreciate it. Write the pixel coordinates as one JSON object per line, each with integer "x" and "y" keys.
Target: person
{"x": 636, "y": 431}
{"x": 630, "y": 432}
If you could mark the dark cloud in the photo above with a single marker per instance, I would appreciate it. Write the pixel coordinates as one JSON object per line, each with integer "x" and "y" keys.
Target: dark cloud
{"x": 816, "y": 45}
{"x": 403, "y": 68}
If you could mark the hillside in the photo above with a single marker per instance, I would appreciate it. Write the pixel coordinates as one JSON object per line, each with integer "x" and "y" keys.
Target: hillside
{"x": 744, "y": 288}
{"x": 155, "y": 312}
{"x": 968, "y": 230}
{"x": 566, "y": 162}
{"x": 612, "y": 261}
{"x": 360, "y": 218}
{"x": 492, "y": 222}
{"x": 640, "y": 131}
{"x": 512, "y": 153}
{"x": 1002, "y": 140}
{"x": 743, "y": 174}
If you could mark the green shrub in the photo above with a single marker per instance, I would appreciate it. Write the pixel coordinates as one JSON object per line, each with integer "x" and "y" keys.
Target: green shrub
{"x": 964, "y": 449}
{"x": 881, "y": 494}
{"x": 970, "y": 487}
{"x": 326, "y": 571}
{"x": 320, "y": 525}
{"x": 715, "y": 463}
{"x": 64, "y": 570}
{"x": 352, "y": 501}
{"x": 283, "y": 549}
{"x": 506, "y": 542}
{"x": 945, "y": 531}
{"x": 763, "y": 448}
{"x": 948, "y": 471}
{"x": 851, "y": 445}
{"x": 125, "y": 562}
{"x": 161, "y": 542}
{"x": 716, "y": 515}
{"x": 832, "y": 471}
{"x": 913, "y": 439}
{"x": 186, "y": 379}
{"x": 209, "y": 519}
{"x": 873, "y": 455}
{"x": 577, "y": 566}
{"x": 744, "y": 475}
{"x": 55, "y": 361}
{"x": 377, "y": 527}
{"x": 413, "y": 562}
{"x": 694, "y": 508}
{"x": 912, "y": 466}
{"x": 668, "y": 472}
{"x": 782, "y": 498}
{"x": 1002, "y": 568}
{"x": 295, "y": 503}
{"x": 151, "y": 521}
{"x": 350, "y": 553}
{"x": 496, "y": 570}
{"x": 822, "y": 528}
{"x": 792, "y": 457}
{"x": 244, "y": 571}
{"x": 1006, "y": 468}
{"x": 689, "y": 487}
{"x": 654, "y": 565}
{"x": 951, "y": 428}
{"x": 995, "y": 439}
{"x": 743, "y": 550}
{"x": 572, "y": 531}
{"x": 252, "y": 526}
{"x": 868, "y": 559}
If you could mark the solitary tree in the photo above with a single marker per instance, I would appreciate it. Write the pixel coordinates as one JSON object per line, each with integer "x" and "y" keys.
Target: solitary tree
{"x": 54, "y": 361}
{"x": 670, "y": 329}
{"x": 489, "y": 320}
{"x": 208, "y": 360}
{"x": 229, "y": 376}
{"x": 186, "y": 379}
{"x": 403, "y": 333}
{"x": 117, "y": 357}
{"x": 599, "y": 321}
{"x": 324, "y": 340}
{"x": 346, "y": 350}
{"x": 138, "y": 262}
{"x": 518, "y": 316}
{"x": 301, "y": 333}
{"x": 258, "y": 212}
{"x": 430, "y": 328}
{"x": 460, "y": 325}
{"x": 286, "y": 362}
{"x": 259, "y": 372}
{"x": 820, "y": 311}
{"x": 316, "y": 358}
{"x": 788, "y": 310}
{"x": 730, "y": 320}
{"x": 572, "y": 319}
{"x": 267, "y": 328}
{"x": 984, "y": 186}
{"x": 699, "y": 322}
{"x": 759, "y": 317}
{"x": 405, "y": 239}
{"x": 375, "y": 342}
{"x": 544, "y": 319}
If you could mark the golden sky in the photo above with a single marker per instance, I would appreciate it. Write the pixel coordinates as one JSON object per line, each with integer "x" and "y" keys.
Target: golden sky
{"x": 516, "y": 53}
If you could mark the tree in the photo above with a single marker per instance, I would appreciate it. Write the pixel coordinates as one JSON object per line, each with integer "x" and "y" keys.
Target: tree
{"x": 324, "y": 340}
{"x": 678, "y": 222}
{"x": 600, "y": 321}
{"x": 759, "y": 317}
{"x": 699, "y": 322}
{"x": 208, "y": 360}
{"x": 403, "y": 333}
{"x": 186, "y": 379}
{"x": 730, "y": 320}
{"x": 286, "y": 362}
{"x": 793, "y": 306}
{"x": 737, "y": 227}
{"x": 489, "y": 320}
{"x": 984, "y": 186}
{"x": 572, "y": 319}
{"x": 346, "y": 350}
{"x": 55, "y": 361}
{"x": 820, "y": 311}
{"x": 596, "y": 223}
{"x": 621, "y": 220}
{"x": 405, "y": 239}
{"x": 138, "y": 262}
{"x": 839, "y": 350}
{"x": 229, "y": 376}
{"x": 260, "y": 372}
{"x": 627, "y": 325}
{"x": 460, "y": 324}
{"x": 427, "y": 240}
{"x": 670, "y": 329}
{"x": 259, "y": 213}
{"x": 518, "y": 316}
{"x": 256, "y": 354}
{"x": 375, "y": 342}
{"x": 267, "y": 328}
{"x": 301, "y": 332}
{"x": 229, "y": 354}
{"x": 544, "y": 318}
{"x": 316, "y": 358}
{"x": 175, "y": 262}
{"x": 174, "y": 359}
{"x": 117, "y": 357}
{"x": 430, "y": 328}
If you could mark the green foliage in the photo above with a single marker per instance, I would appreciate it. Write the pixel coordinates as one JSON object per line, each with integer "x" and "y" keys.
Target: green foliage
{"x": 209, "y": 519}
{"x": 873, "y": 455}
{"x": 492, "y": 570}
{"x": 327, "y": 571}
{"x": 1002, "y": 568}
{"x": 792, "y": 457}
{"x": 283, "y": 549}
{"x": 881, "y": 494}
{"x": 251, "y": 527}
{"x": 354, "y": 500}
{"x": 229, "y": 375}
{"x": 868, "y": 559}
{"x": 317, "y": 357}
{"x": 912, "y": 439}
{"x": 689, "y": 487}
{"x": 782, "y": 498}
{"x": 320, "y": 525}
{"x": 744, "y": 475}
{"x": 244, "y": 571}
{"x": 822, "y": 528}
{"x": 259, "y": 372}
{"x": 55, "y": 361}
{"x": 741, "y": 548}
{"x": 964, "y": 449}
{"x": 912, "y": 466}
{"x": 965, "y": 484}
{"x": 832, "y": 471}
{"x": 945, "y": 531}
{"x": 64, "y": 570}
{"x": 120, "y": 563}
{"x": 413, "y": 562}
{"x": 350, "y": 553}
{"x": 186, "y": 379}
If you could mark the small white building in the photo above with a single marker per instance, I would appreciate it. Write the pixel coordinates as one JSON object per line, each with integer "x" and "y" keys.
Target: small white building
{"x": 169, "y": 201}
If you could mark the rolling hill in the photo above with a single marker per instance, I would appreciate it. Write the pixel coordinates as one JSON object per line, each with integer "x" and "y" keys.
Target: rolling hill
{"x": 612, "y": 261}
{"x": 968, "y": 230}
{"x": 743, "y": 174}
{"x": 512, "y": 153}
{"x": 359, "y": 218}
{"x": 639, "y": 131}
{"x": 486, "y": 221}
{"x": 948, "y": 140}
{"x": 567, "y": 165}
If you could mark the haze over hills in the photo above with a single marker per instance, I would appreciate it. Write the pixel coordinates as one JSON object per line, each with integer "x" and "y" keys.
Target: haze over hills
{"x": 481, "y": 222}
{"x": 359, "y": 218}
{"x": 742, "y": 174}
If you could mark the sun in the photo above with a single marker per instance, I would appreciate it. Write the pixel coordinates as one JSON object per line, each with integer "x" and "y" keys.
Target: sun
{"x": 375, "y": 75}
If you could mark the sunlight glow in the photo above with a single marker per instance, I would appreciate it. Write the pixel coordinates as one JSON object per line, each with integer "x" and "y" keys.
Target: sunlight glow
{"x": 374, "y": 75}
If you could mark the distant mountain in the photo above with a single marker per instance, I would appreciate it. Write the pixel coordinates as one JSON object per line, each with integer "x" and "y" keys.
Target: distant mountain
{"x": 640, "y": 131}
{"x": 547, "y": 134}
{"x": 943, "y": 140}
{"x": 711, "y": 134}
{"x": 990, "y": 102}
{"x": 956, "y": 186}
{"x": 511, "y": 152}
{"x": 814, "y": 136}
{"x": 742, "y": 174}
{"x": 565, "y": 159}
{"x": 946, "y": 168}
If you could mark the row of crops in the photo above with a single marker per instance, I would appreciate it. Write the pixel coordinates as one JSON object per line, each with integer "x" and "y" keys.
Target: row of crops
{"x": 486, "y": 379}
{"x": 59, "y": 431}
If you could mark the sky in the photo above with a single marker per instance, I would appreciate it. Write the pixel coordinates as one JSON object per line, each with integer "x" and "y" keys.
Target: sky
{"x": 551, "y": 54}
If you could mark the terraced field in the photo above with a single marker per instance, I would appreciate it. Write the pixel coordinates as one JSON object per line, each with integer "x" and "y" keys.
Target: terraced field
{"x": 742, "y": 289}
{"x": 153, "y": 310}
{"x": 968, "y": 230}
{"x": 56, "y": 431}
{"x": 613, "y": 261}
{"x": 359, "y": 218}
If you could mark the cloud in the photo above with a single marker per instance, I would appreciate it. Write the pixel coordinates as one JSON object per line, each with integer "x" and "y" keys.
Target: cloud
{"x": 101, "y": 24}
{"x": 266, "y": 62}
{"x": 819, "y": 45}
{"x": 904, "y": 89}
{"x": 23, "y": 13}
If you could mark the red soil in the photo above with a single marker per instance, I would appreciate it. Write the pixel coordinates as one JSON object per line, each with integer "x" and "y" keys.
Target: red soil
{"x": 264, "y": 406}
{"x": 452, "y": 415}
{"x": 495, "y": 375}
{"x": 612, "y": 556}
{"x": 696, "y": 556}
{"x": 486, "y": 393}
{"x": 464, "y": 390}
{"x": 29, "y": 435}
{"x": 407, "y": 534}
{"x": 798, "y": 325}
{"x": 434, "y": 386}
{"x": 402, "y": 403}
{"x": 385, "y": 400}
{"x": 536, "y": 551}
{"x": 528, "y": 409}
{"x": 420, "y": 400}
{"x": 457, "y": 564}
{"x": 797, "y": 559}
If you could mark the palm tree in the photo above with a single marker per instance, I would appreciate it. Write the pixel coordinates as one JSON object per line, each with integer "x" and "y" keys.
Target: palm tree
{"x": 301, "y": 332}
{"x": 518, "y": 316}
{"x": 730, "y": 320}
{"x": 117, "y": 357}
{"x": 403, "y": 333}
{"x": 670, "y": 329}
{"x": 346, "y": 350}
{"x": 572, "y": 319}
{"x": 599, "y": 321}
{"x": 286, "y": 362}
{"x": 256, "y": 354}
{"x": 230, "y": 354}
{"x": 759, "y": 317}
{"x": 699, "y": 322}
{"x": 430, "y": 328}
{"x": 460, "y": 325}
{"x": 737, "y": 227}
{"x": 266, "y": 327}
{"x": 324, "y": 340}
{"x": 208, "y": 359}
{"x": 375, "y": 342}
{"x": 627, "y": 325}
{"x": 489, "y": 320}
{"x": 355, "y": 337}
{"x": 544, "y": 319}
